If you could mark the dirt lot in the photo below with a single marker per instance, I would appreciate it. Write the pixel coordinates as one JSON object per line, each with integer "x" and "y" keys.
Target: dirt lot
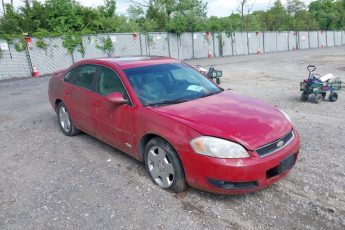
{"x": 48, "y": 180}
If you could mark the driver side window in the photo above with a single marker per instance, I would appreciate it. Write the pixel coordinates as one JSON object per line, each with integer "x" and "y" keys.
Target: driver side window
{"x": 109, "y": 82}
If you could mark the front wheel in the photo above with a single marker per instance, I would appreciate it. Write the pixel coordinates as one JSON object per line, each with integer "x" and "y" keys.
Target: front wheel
{"x": 304, "y": 96}
{"x": 318, "y": 98}
{"x": 164, "y": 165}
{"x": 65, "y": 121}
{"x": 333, "y": 97}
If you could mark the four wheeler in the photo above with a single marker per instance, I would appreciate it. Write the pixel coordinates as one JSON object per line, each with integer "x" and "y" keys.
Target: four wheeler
{"x": 212, "y": 73}
{"x": 319, "y": 86}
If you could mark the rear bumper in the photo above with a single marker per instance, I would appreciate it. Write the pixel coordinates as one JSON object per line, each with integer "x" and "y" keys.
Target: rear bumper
{"x": 236, "y": 176}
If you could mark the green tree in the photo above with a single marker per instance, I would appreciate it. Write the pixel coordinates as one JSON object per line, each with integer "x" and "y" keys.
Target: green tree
{"x": 325, "y": 13}
{"x": 299, "y": 18}
{"x": 108, "y": 10}
{"x": 68, "y": 17}
{"x": 275, "y": 18}
{"x": 188, "y": 15}
{"x": 10, "y": 22}
{"x": 63, "y": 16}
{"x": 135, "y": 12}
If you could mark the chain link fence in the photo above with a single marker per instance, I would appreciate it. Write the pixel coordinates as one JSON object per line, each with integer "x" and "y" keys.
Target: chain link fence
{"x": 12, "y": 63}
{"x": 54, "y": 56}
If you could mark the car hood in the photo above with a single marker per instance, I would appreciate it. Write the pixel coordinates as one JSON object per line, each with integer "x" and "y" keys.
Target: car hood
{"x": 231, "y": 116}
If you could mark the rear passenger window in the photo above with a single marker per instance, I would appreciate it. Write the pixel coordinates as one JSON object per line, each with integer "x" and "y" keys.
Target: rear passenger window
{"x": 85, "y": 76}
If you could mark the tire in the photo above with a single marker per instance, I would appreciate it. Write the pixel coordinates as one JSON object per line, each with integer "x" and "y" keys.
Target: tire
{"x": 318, "y": 98}
{"x": 65, "y": 122}
{"x": 333, "y": 97}
{"x": 304, "y": 96}
{"x": 164, "y": 166}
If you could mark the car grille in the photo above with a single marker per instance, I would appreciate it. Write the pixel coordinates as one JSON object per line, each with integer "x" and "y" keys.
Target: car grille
{"x": 276, "y": 145}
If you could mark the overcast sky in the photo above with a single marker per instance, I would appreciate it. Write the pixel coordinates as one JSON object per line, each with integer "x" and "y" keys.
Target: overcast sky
{"x": 215, "y": 7}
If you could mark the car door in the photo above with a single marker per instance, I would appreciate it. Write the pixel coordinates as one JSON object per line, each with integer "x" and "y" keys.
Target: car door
{"x": 80, "y": 103}
{"x": 113, "y": 122}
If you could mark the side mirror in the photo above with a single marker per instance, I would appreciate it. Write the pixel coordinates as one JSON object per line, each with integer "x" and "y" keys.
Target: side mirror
{"x": 116, "y": 98}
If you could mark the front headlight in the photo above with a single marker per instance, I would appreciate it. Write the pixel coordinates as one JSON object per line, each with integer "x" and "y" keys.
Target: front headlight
{"x": 216, "y": 147}
{"x": 286, "y": 115}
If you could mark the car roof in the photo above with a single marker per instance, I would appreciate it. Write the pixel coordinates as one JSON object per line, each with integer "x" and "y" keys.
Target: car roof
{"x": 128, "y": 62}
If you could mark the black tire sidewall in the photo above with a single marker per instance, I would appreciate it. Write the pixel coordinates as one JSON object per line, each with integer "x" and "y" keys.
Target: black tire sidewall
{"x": 179, "y": 183}
{"x": 333, "y": 97}
{"x": 304, "y": 96}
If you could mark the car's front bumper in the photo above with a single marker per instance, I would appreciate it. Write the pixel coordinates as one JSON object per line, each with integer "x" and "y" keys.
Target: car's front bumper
{"x": 233, "y": 176}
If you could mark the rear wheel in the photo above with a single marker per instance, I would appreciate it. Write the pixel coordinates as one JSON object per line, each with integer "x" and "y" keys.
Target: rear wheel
{"x": 65, "y": 121}
{"x": 333, "y": 97}
{"x": 164, "y": 165}
{"x": 318, "y": 98}
{"x": 304, "y": 96}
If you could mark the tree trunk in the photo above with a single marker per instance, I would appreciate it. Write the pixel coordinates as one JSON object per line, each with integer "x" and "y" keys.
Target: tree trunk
{"x": 3, "y": 6}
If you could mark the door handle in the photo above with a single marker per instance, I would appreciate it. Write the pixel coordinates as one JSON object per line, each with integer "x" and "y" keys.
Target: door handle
{"x": 68, "y": 92}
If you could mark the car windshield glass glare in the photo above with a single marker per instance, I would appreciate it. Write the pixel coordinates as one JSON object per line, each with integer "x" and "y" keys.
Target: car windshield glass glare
{"x": 166, "y": 84}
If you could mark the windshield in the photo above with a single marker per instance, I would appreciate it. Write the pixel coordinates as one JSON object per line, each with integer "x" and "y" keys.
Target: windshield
{"x": 169, "y": 84}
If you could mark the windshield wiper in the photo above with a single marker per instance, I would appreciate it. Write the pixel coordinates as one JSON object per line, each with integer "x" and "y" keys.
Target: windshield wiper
{"x": 168, "y": 102}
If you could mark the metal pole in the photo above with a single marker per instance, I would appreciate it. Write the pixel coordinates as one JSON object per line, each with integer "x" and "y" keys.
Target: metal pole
{"x": 232, "y": 43}
{"x": 29, "y": 60}
{"x": 148, "y": 43}
{"x": 263, "y": 38}
{"x": 72, "y": 56}
{"x": 220, "y": 44}
{"x": 168, "y": 37}
{"x": 248, "y": 43}
{"x": 141, "y": 45}
{"x": 9, "y": 49}
{"x": 178, "y": 37}
{"x": 193, "y": 44}
{"x": 276, "y": 42}
{"x": 214, "y": 47}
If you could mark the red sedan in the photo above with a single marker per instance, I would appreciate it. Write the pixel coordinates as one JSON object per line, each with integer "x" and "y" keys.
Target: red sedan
{"x": 185, "y": 128}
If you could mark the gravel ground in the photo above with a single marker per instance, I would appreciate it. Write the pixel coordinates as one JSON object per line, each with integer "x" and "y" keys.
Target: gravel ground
{"x": 50, "y": 181}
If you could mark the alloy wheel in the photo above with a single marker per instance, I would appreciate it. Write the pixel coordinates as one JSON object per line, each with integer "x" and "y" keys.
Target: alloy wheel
{"x": 160, "y": 167}
{"x": 64, "y": 119}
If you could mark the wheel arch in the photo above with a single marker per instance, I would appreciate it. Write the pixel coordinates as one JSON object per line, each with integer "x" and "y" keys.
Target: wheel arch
{"x": 57, "y": 102}
{"x": 146, "y": 138}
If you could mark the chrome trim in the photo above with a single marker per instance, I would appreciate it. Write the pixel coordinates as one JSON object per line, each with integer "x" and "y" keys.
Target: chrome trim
{"x": 286, "y": 144}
